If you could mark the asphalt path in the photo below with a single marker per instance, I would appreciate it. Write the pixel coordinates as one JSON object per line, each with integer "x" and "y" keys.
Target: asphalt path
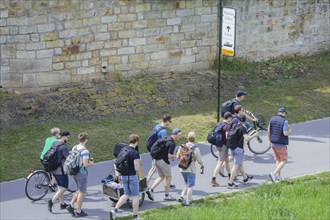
{"x": 308, "y": 154}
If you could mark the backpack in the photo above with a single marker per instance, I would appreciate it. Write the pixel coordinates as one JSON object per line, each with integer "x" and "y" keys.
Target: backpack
{"x": 122, "y": 161}
{"x": 51, "y": 161}
{"x": 152, "y": 137}
{"x": 186, "y": 156}
{"x": 72, "y": 162}
{"x": 158, "y": 148}
{"x": 232, "y": 137}
{"x": 227, "y": 106}
{"x": 217, "y": 136}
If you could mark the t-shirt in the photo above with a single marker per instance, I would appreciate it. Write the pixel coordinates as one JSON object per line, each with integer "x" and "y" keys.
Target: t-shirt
{"x": 83, "y": 155}
{"x": 162, "y": 133}
{"x": 62, "y": 152}
{"x": 133, "y": 155}
{"x": 170, "y": 148}
{"x": 241, "y": 131}
{"x": 48, "y": 144}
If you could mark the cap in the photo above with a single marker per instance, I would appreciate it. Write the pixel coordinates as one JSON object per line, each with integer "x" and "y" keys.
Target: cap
{"x": 167, "y": 118}
{"x": 176, "y": 130}
{"x": 282, "y": 110}
{"x": 227, "y": 115}
{"x": 64, "y": 133}
{"x": 240, "y": 93}
{"x": 242, "y": 118}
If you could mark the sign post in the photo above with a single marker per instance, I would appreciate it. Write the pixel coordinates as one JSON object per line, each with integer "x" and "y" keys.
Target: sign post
{"x": 228, "y": 31}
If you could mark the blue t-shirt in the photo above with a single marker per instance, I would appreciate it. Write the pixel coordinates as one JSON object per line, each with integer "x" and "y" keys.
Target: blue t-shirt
{"x": 162, "y": 133}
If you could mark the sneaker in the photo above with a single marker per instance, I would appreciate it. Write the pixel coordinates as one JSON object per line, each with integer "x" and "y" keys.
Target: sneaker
{"x": 247, "y": 179}
{"x": 80, "y": 214}
{"x": 180, "y": 199}
{"x": 232, "y": 186}
{"x": 214, "y": 183}
{"x": 64, "y": 206}
{"x": 150, "y": 194}
{"x": 169, "y": 198}
{"x": 113, "y": 215}
{"x": 50, "y": 205}
{"x": 187, "y": 204}
{"x": 172, "y": 186}
{"x": 279, "y": 180}
{"x": 70, "y": 210}
{"x": 272, "y": 177}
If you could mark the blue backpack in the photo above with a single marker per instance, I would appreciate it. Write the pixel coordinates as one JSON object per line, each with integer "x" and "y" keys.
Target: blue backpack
{"x": 217, "y": 136}
{"x": 153, "y": 137}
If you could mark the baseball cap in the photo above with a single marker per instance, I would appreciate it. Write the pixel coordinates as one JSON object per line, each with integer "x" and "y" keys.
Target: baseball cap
{"x": 282, "y": 110}
{"x": 242, "y": 118}
{"x": 64, "y": 133}
{"x": 227, "y": 115}
{"x": 240, "y": 93}
{"x": 176, "y": 130}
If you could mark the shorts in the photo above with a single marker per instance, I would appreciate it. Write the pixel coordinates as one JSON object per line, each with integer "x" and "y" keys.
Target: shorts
{"x": 131, "y": 185}
{"x": 81, "y": 180}
{"x": 223, "y": 152}
{"x": 238, "y": 154}
{"x": 163, "y": 168}
{"x": 62, "y": 180}
{"x": 280, "y": 153}
{"x": 189, "y": 178}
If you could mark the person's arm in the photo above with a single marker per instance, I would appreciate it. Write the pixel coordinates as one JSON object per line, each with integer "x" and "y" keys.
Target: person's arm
{"x": 286, "y": 129}
{"x": 137, "y": 164}
{"x": 87, "y": 161}
{"x": 268, "y": 132}
{"x": 248, "y": 137}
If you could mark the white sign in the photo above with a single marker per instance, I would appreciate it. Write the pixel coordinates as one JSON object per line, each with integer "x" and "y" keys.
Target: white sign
{"x": 228, "y": 31}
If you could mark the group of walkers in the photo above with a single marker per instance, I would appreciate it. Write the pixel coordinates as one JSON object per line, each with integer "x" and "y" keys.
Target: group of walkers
{"x": 165, "y": 146}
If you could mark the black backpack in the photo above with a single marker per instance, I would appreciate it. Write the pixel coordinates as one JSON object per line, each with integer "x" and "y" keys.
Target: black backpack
{"x": 158, "y": 148}
{"x": 232, "y": 136}
{"x": 152, "y": 137}
{"x": 217, "y": 136}
{"x": 227, "y": 106}
{"x": 122, "y": 161}
{"x": 51, "y": 161}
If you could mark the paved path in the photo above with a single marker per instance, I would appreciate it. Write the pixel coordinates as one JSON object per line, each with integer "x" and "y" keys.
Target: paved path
{"x": 308, "y": 153}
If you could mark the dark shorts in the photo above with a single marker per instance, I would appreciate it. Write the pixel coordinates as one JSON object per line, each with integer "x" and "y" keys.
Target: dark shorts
{"x": 81, "y": 180}
{"x": 62, "y": 180}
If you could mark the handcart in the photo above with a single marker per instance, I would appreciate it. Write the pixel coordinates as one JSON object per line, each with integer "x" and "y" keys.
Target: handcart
{"x": 114, "y": 194}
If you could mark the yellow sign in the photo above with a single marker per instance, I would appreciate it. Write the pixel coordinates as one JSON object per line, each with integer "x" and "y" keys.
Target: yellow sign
{"x": 226, "y": 52}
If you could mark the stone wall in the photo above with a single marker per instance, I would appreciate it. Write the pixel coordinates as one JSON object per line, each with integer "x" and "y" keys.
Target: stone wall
{"x": 46, "y": 43}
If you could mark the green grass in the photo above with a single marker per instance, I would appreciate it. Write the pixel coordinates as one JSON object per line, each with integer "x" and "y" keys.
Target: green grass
{"x": 306, "y": 97}
{"x": 302, "y": 198}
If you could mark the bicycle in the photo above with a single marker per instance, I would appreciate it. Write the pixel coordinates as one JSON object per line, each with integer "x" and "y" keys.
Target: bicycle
{"x": 38, "y": 183}
{"x": 259, "y": 145}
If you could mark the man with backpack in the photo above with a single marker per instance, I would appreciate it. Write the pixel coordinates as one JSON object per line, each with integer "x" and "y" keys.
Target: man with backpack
{"x": 188, "y": 167}
{"x": 223, "y": 150}
{"x": 159, "y": 131}
{"x": 81, "y": 176}
{"x": 165, "y": 150}
{"x": 278, "y": 134}
{"x": 236, "y": 136}
{"x": 128, "y": 163}
{"x": 61, "y": 152}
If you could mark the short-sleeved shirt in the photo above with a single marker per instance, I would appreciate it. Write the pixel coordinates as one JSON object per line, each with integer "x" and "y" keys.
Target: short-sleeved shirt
{"x": 133, "y": 155}
{"x": 62, "y": 152}
{"x": 241, "y": 132}
{"x": 83, "y": 155}
{"x": 162, "y": 133}
{"x": 170, "y": 148}
{"x": 48, "y": 144}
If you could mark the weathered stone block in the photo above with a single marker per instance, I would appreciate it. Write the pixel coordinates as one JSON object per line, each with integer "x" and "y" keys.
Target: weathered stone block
{"x": 25, "y": 54}
{"x": 184, "y": 12}
{"x": 126, "y": 50}
{"x": 85, "y": 70}
{"x": 46, "y": 28}
{"x": 137, "y": 41}
{"x": 159, "y": 55}
{"x": 54, "y": 78}
{"x": 91, "y": 21}
{"x": 30, "y": 80}
{"x": 30, "y": 65}
{"x": 95, "y": 45}
{"x": 68, "y": 33}
{"x": 106, "y": 53}
{"x": 49, "y": 36}
{"x": 84, "y": 56}
{"x": 188, "y": 59}
{"x": 127, "y": 34}
{"x": 27, "y": 29}
{"x": 114, "y": 60}
{"x": 58, "y": 66}
{"x": 56, "y": 43}
{"x": 209, "y": 18}
{"x": 35, "y": 46}
{"x": 174, "y": 21}
{"x": 136, "y": 58}
{"x": 12, "y": 80}
{"x": 143, "y": 7}
{"x": 116, "y": 26}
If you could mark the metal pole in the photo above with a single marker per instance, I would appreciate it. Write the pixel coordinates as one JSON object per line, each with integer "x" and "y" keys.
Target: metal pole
{"x": 219, "y": 56}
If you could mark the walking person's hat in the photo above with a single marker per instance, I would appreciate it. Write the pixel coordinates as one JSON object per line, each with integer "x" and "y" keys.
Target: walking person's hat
{"x": 282, "y": 110}
{"x": 240, "y": 93}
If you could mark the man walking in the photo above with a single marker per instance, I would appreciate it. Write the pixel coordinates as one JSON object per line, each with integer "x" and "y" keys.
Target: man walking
{"x": 131, "y": 180}
{"x": 61, "y": 178}
{"x": 163, "y": 165}
{"x": 278, "y": 134}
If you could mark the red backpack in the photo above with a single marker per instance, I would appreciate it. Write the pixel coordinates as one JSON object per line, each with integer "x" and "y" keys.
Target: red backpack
{"x": 186, "y": 156}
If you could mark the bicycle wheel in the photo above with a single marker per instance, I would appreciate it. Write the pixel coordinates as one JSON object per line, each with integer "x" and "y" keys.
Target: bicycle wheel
{"x": 72, "y": 185}
{"x": 214, "y": 151}
{"x": 261, "y": 144}
{"x": 141, "y": 200}
{"x": 36, "y": 185}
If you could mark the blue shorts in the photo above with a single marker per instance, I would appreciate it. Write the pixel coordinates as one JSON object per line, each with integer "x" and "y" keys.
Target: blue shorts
{"x": 131, "y": 185}
{"x": 189, "y": 178}
{"x": 238, "y": 154}
{"x": 62, "y": 180}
